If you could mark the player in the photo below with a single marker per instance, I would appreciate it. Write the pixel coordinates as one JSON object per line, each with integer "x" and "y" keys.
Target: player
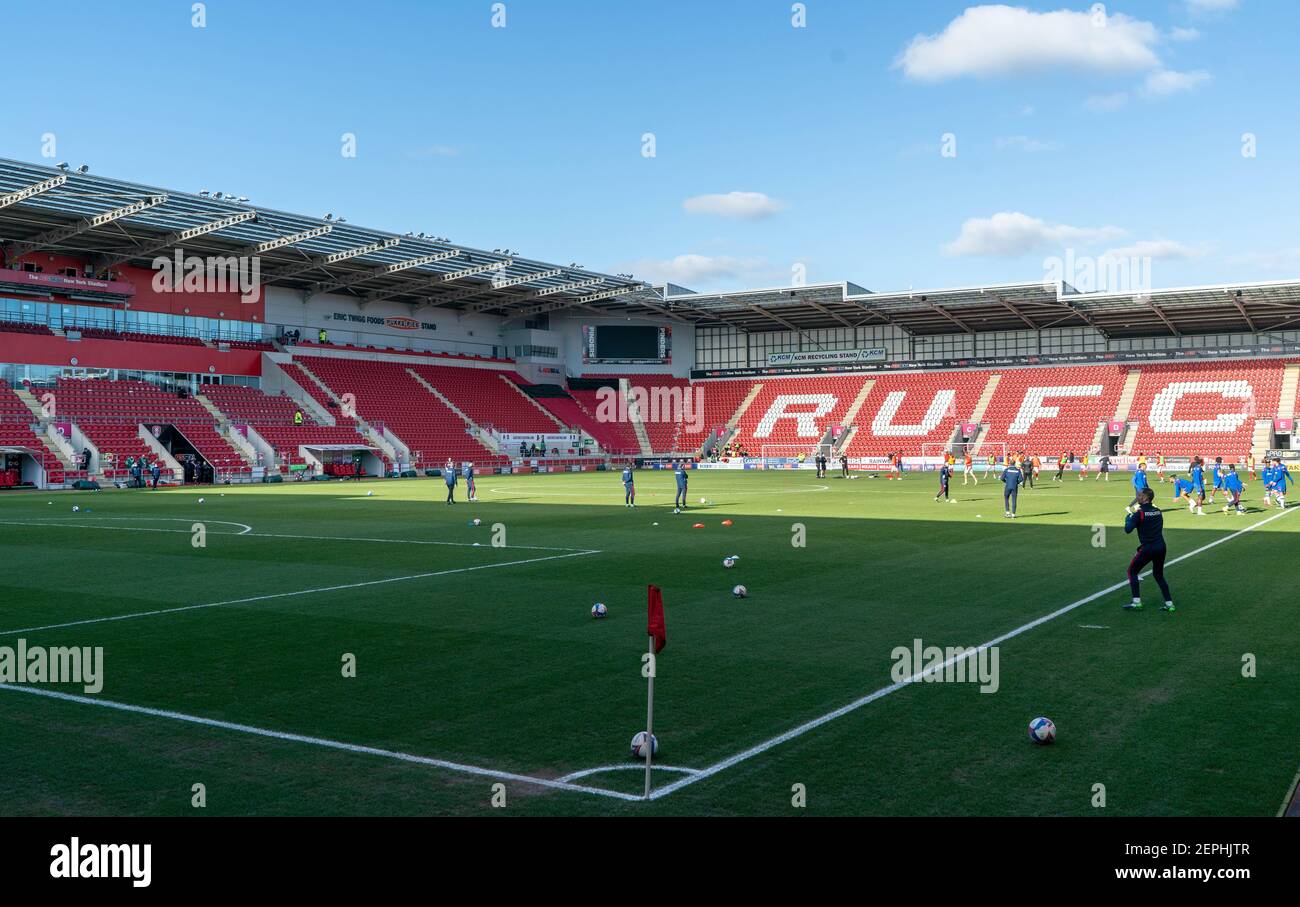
{"x": 968, "y": 469}
{"x": 679, "y": 473}
{"x": 1103, "y": 468}
{"x": 1281, "y": 476}
{"x": 895, "y": 466}
{"x": 844, "y": 466}
{"x": 1198, "y": 486}
{"x": 1012, "y": 477}
{"x": 470, "y": 492}
{"x": 1139, "y": 483}
{"x": 449, "y": 476}
{"x": 1148, "y": 520}
{"x": 1083, "y": 466}
{"x": 1233, "y": 487}
{"x": 1216, "y": 477}
{"x": 1060, "y": 468}
{"x": 629, "y": 489}
{"x": 1183, "y": 488}
{"x": 945, "y": 472}
{"x": 1250, "y": 464}
{"x": 1160, "y": 466}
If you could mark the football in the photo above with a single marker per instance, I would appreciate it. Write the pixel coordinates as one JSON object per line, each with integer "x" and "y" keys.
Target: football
{"x": 638, "y": 745}
{"x": 728, "y": 562}
{"x": 76, "y": 509}
{"x": 1042, "y": 731}
{"x": 598, "y": 610}
{"x": 740, "y": 591}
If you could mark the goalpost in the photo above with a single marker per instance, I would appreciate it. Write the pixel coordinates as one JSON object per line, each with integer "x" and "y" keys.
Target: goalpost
{"x": 786, "y": 456}
{"x": 932, "y": 454}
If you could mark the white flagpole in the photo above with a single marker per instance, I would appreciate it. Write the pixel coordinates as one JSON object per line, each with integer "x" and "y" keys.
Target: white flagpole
{"x": 649, "y": 716}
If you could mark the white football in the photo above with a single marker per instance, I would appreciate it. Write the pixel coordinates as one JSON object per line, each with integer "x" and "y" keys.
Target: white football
{"x": 200, "y": 500}
{"x": 740, "y": 591}
{"x": 728, "y": 562}
{"x": 599, "y": 610}
{"x": 638, "y": 745}
{"x": 703, "y": 501}
{"x": 370, "y": 494}
{"x": 1042, "y": 731}
{"x": 76, "y": 509}
{"x": 478, "y": 522}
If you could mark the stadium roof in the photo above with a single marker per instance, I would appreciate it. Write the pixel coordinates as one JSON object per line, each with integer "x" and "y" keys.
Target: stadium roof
{"x": 114, "y": 222}
{"x": 1222, "y": 308}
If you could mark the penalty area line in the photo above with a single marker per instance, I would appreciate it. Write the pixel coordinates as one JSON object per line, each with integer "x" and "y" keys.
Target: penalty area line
{"x": 359, "y": 749}
{"x": 817, "y": 722}
{"x": 261, "y": 598}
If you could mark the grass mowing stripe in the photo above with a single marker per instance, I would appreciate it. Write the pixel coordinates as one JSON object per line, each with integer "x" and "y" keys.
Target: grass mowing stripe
{"x": 261, "y": 598}
{"x": 895, "y": 687}
{"x": 323, "y": 742}
{"x": 249, "y": 533}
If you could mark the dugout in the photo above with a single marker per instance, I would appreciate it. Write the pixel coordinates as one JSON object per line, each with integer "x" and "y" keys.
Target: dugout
{"x": 21, "y": 466}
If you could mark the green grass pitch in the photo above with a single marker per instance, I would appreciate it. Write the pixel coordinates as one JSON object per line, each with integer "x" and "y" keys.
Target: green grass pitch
{"x": 483, "y": 663}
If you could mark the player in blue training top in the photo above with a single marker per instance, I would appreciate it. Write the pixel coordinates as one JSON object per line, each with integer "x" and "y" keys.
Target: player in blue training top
{"x": 1139, "y": 482}
{"x": 1266, "y": 476}
{"x": 679, "y": 472}
{"x": 1149, "y": 522}
{"x": 1232, "y": 485}
{"x": 1183, "y": 488}
{"x": 1216, "y": 478}
{"x": 1281, "y": 476}
{"x": 468, "y": 472}
{"x": 1011, "y": 479}
{"x": 629, "y": 490}
{"x": 945, "y": 473}
{"x": 449, "y": 476}
{"x": 1198, "y": 486}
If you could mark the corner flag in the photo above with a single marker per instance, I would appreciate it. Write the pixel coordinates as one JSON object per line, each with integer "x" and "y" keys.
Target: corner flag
{"x": 655, "y": 625}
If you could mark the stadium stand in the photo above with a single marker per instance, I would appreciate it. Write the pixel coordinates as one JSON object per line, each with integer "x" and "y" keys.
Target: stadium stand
{"x": 1204, "y": 408}
{"x": 386, "y": 395}
{"x": 272, "y": 417}
{"x": 1024, "y": 415}
{"x": 487, "y": 400}
{"x": 24, "y": 327}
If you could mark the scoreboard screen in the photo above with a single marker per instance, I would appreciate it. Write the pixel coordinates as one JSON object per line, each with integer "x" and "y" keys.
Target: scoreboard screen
{"x": 627, "y": 343}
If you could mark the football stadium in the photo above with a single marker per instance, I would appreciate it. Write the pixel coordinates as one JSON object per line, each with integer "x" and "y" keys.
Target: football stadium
{"x": 312, "y": 516}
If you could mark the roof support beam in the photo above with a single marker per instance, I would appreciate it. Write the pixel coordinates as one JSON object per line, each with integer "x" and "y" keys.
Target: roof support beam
{"x": 825, "y": 311}
{"x": 1019, "y": 314}
{"x": 478, "y": 269}
{"x": 181, "y": 236}
{"x": 1236, "y": 300}
{"x": 56, "y": 236}
{"x": 292, "y": 239}
{"x": 567, "y": 287}
{"x": 513, "y": 282}
{"x": 1165, "y": 318}
{"x": 384, "y": 270}
{"x": 332, "y": 258}
{"x": 21, "y": 195}
{"x": 950, "y": 316}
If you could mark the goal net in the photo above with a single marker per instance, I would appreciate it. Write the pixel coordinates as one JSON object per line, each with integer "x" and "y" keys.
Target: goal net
{"x": 980, "y": 451}
{"x": 787, "y": 456}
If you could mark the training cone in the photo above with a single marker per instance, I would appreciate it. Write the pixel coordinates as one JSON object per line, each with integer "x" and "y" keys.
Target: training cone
{"x": 698, "y": 526}
{"x": 726, "y": 522}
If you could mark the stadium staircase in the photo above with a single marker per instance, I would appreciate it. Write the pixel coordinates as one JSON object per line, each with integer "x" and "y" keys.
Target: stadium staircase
{"x": 31, "y": 402}
{"x": 634, "y": 416}
{"x": 1290, "y": 390}
{"x": 160, "y": 453}
{"x": 982, "y": 406}
{"x": 226, "y": 430}
{"x": 1262, "y": 439}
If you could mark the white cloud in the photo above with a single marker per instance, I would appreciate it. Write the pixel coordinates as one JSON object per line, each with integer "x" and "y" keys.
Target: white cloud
{"x": 1164, "y": 82}
{"x": 1183, "y": 34}
{"x": 1026, "y": 144}
{"x": 1010, "y": 233}
{"x": 691, "y": 269}
{"x": 1105, "y": 102}
{"x": 1158, "y": 250}
{"x": 435, "y": 151}
{"x": 1003, "y": 40}
{"x": 743, "y": 205}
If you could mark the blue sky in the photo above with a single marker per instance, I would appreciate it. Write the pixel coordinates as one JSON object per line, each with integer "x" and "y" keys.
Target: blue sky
{"x": 1125, "y": 136}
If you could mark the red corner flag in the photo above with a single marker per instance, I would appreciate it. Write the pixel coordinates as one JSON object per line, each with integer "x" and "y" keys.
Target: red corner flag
{"x": 655, "y": 625}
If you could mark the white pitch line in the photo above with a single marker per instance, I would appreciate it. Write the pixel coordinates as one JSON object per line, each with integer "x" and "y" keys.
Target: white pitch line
{"x": 1286, "y": 801}
{"x": 626, "y": 766}
{"x": 262, "y": 598}
{"x": 895, "y": 687}
{"x": 324, "y": 742}
{"x": 276, "y": 535}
